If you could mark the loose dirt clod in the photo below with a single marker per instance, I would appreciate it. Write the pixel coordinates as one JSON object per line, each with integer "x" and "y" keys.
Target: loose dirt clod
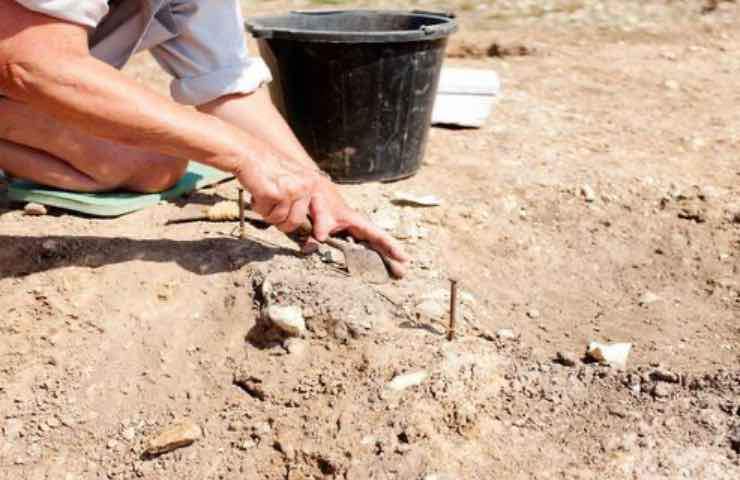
{"x": 176, "y": 436}
{"x": 567, "y": 359}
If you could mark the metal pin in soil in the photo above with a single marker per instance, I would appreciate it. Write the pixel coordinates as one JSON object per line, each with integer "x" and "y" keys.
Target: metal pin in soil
{"x": 453, "y": 310}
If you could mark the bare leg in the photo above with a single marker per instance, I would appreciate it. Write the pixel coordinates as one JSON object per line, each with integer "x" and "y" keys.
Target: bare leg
{"x": 92, "y": 164}
{"x": 42, "y": 168}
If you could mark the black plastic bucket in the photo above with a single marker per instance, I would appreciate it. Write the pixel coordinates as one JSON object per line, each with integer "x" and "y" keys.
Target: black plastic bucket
{"x": 357, "y": 86}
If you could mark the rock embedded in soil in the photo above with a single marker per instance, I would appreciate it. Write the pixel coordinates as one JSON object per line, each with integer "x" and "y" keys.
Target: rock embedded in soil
{"x": 648, "y": 298}
{"x": 661, "y": 390}
{"x": 567, "y": 359}
{"x": 412, "y": 200}
{"x": 505, "y": 333}
{"x": 402, "y": 382}
{"x": 173, "y": 437}
{"x": 35, "y": 209}
{"x": 588, "y": 193}
{"x": 289, "y": 319}
{"x": 613, "y": 354}
{"x": 663, "y": 375}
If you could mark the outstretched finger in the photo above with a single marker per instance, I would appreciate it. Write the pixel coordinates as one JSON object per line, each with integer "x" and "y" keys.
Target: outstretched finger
{"x": 362, "y": 229}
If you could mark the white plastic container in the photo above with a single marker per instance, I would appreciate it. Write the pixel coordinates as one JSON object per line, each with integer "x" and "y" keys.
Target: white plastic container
{"x": 465, "y": 97}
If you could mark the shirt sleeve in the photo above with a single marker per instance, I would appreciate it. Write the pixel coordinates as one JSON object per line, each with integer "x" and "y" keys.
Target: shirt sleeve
{"x": 208, "y": 58}
{"x": 84, "y": 12}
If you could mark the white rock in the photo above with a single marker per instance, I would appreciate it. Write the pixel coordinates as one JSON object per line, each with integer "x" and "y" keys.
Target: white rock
{"x": 432, "y": 309}
{"x": 505, "y": 333}
{"x": 647, "y": 298}
{"x": 287, "y": 318}
{"x": 294, "y": 346}
{"x": 174, "y": 437}
{"x": 402, "y": 382}
{"x": 410, "y": 199}
{"x": 612, "y": 354}
{"x": 588, "y": 193}
{"x": 34, "y": 209}
{"x": 533, "y": 313}
{"x": 672, "y": 85}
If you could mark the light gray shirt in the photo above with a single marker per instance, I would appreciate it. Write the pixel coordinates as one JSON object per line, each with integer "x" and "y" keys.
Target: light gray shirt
{"x": 200, "y": 43}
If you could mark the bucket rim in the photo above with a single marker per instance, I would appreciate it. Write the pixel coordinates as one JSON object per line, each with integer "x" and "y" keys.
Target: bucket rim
{"x": 444, "y": 26}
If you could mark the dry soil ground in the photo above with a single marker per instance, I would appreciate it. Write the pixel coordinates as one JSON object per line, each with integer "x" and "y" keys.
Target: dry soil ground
{"x": 114, "y": 329}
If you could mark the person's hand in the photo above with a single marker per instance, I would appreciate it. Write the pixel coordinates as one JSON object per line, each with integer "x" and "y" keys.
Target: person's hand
{"x": 286, "y": 196}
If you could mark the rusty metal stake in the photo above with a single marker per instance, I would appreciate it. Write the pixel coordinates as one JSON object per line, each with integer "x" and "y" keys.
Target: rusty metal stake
{"x": 242, "y": 232}
{"x": 453, "y": 309}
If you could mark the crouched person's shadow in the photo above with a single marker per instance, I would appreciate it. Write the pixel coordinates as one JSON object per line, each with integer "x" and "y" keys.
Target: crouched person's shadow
{"x": 25, "y": 255}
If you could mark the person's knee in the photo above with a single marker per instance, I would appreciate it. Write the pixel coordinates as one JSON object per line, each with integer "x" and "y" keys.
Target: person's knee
{"x": 158, "y": 177}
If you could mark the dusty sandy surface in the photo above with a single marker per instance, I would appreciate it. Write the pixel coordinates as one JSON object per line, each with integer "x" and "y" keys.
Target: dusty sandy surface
{"x": 115, "y": 329}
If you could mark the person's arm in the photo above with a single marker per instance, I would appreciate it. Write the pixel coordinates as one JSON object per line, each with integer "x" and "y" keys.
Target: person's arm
{"x": 46, "y": 63}
{"x": 256, "y": 115}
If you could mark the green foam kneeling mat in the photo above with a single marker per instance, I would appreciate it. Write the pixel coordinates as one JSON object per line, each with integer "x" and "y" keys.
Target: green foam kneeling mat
{"x": 114, "y": 204}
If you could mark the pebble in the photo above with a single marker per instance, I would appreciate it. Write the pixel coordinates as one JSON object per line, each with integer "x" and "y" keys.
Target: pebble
{"x": 672, "y": 85}
{"x": 294, "y": 346}
{"x": 54, "y": 422}
{"x": 648, "y": 298}
{"x": 402, "y": 382}
{"x": 662, "y": 375}
{"x": 173, "y": 437}
{"x": 413, "y": 200}
{"x": 505, "y": 333}
{"x": 612, "y": 354}
{"x": 35, "y": 209}
{"x": 588, "y": 193}
{"x": 433, "y": 309}
{"x": 567, "y": 359}
{"x": 287, "y": 318}
{"x": 128, "y": 433}
{"x": 661, "y": 390}
{"x": 533, "y": 314}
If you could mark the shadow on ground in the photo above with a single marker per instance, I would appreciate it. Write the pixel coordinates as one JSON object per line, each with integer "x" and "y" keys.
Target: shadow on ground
{"x": 25, "y": 255}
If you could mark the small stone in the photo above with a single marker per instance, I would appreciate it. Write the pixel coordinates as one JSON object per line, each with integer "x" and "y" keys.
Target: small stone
{"x": 402, "y": 382}
{"x": 662, "y": 375}
{"x": 287, "y": 318}
{"x": 567, "y": 359}
{"x": 432, "y": 309}
{"x": 533, "y": 314}
{"x": 111, "y": 445}
{"x": 13, "y": 429}
{"x": 246, "y": 445}
{"x": 128, "y": 433}
{"x": 612, "y": 354}
{"x": 505, "y": 333}
{"x": 294, "y": 346}
{"x": 176, "y": 436}
{"x": 331, "y": 255}
{"x": 672, "y": 85}
{"x": 661, "y": 390}
{"x": 35, "y": 209}
{"x": 250, "y": 384}
{"x": 588, "y": 193}
{"x": 54, "y": 422}
{"x": 648, "y": 298}
{"x": 412, "y": 200}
